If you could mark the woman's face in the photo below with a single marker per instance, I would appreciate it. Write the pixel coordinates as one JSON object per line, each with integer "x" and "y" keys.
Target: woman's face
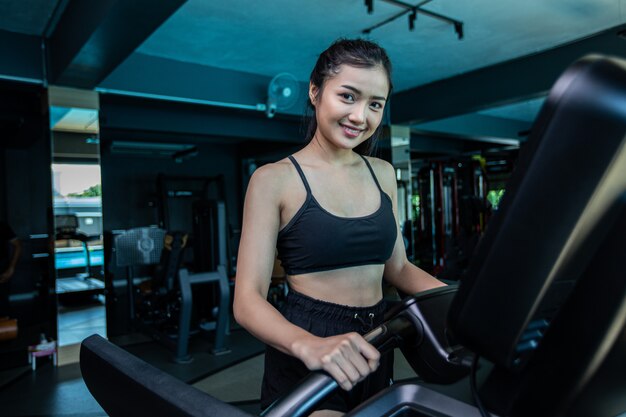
{"x": 350, "y": 107}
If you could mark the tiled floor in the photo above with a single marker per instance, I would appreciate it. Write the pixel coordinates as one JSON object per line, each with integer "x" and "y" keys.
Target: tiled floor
{"x": 77, "y": 322}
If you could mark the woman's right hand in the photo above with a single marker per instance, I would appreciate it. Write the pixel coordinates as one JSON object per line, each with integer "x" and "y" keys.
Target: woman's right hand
{"x": 348, "y": 358}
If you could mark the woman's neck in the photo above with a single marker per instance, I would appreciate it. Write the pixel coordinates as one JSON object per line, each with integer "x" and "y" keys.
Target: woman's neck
{"x": 323, "y": 151}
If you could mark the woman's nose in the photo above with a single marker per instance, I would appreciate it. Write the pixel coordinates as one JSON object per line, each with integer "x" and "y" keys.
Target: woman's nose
{"x": 358, "y": 115}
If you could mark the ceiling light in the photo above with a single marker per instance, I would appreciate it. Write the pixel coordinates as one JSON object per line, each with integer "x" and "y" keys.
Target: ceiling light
{"x": 412, "y": 17}
{"x": 413, "y": 10}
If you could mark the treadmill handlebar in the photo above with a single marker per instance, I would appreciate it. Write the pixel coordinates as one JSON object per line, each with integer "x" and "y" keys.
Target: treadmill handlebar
{"x": 417, "y": 326}
{"x": 318, "y": 385}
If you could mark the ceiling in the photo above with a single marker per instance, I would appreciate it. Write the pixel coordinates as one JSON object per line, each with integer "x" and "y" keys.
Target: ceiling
{"x": 225, "y": 52}
{"x": 268, "y": 37}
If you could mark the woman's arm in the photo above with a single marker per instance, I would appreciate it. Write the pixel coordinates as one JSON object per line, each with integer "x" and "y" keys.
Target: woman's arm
{"x": 261, "y": 220}
{"x": 348, "y": 358}
{"x": 399, "y": 272}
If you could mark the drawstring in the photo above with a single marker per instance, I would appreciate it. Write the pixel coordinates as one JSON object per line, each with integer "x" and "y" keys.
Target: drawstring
{"x": 365, "y": 327}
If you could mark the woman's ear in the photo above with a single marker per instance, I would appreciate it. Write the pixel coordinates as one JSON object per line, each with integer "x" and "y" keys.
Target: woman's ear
{"x": 313, "y": 91}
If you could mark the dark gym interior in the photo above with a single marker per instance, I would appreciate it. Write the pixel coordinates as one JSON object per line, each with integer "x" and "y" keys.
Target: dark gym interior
{"x": 129, "y": 131}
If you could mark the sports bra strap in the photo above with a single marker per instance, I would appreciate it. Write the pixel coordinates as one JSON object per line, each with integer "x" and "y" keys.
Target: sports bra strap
{"x": 372, "y": 172}
{"x": 306, "y": 184}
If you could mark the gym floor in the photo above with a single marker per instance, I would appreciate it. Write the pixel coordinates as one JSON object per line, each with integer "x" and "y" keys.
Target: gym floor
{"x": 60, "y": 391}
{"x": 77, "y": 322}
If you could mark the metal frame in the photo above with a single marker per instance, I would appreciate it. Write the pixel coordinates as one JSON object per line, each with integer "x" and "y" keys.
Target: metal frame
{"x": 413, "y": 10}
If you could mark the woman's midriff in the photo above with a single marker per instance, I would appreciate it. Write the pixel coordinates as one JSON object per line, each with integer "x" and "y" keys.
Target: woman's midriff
{"x": 358, "y": 286}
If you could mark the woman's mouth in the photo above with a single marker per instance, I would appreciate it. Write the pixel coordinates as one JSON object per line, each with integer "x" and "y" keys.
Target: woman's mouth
{"x": 350, "y": 131}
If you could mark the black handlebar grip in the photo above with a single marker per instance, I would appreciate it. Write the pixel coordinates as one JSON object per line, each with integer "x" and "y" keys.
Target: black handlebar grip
{"x": 317, "y": 386}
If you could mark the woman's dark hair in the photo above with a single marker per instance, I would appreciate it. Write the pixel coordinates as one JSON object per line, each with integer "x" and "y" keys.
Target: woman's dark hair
{"x": 358, "y": 53}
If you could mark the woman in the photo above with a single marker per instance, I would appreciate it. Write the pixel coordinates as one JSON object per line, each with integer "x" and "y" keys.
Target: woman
{"x": 331, "y": 213}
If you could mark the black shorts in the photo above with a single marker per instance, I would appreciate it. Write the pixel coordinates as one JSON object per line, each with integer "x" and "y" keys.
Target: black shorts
{"x": 283, "y": 372}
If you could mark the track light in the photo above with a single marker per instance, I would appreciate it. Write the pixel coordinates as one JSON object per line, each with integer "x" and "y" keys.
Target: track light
{"x": 458, "y": 28}
{"x": 412, "y": 10}
{"x": 412, "y": 17}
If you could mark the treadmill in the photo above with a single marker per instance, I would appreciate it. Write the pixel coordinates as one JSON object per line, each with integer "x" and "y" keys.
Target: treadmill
{"x": 544, "y": 300}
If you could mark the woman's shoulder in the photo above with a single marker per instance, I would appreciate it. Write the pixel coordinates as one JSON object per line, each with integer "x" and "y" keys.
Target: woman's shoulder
{"x": 272, "y": 177}
{"x": 385, "y": 173}
{"x": 383, "y": 169}
{"x": 377, "y": 162}
{"x": 273, "y": 168}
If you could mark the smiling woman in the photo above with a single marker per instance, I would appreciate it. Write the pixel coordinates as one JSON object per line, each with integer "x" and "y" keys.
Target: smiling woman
{"x": 352, "y": 105}
{"x": 350, "y": 56}
{"x": 330, "y": 210}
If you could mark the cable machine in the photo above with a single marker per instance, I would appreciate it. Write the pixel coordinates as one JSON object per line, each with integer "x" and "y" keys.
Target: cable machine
{"x": 452, "y": 209}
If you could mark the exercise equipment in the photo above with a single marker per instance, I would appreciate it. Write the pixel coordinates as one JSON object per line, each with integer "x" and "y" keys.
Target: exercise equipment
{"x": 162, "y": 305}
{"x": 219, "y": 325}
{"x": 66, "y": 228}
{"x": 209, "y": 221}
{"x": 543, "y": 300}
{"x": 132, "y": 248}
{"x": 109, "y": 371}
{"x": 197, "y": 207}
{"x": 452, "y": 214}
{"x": 416, "y": 325}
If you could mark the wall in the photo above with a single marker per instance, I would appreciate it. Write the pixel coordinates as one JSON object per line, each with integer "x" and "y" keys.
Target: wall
{"x": 26, "y": 198}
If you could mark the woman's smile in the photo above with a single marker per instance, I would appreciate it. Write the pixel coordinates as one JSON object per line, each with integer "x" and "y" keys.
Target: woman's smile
{"x": 351, "y": 131}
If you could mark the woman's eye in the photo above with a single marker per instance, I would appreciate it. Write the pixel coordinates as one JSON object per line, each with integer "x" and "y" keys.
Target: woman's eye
{"x": 347, "y": 96}
{"x": 376, "y": 105}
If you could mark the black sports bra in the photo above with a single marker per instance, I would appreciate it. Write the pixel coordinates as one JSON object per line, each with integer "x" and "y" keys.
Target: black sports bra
{"x": 315, "y": 240}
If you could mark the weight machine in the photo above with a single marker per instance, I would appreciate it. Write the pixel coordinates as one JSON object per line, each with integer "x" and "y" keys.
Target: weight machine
{"x": 161, "y": 306}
